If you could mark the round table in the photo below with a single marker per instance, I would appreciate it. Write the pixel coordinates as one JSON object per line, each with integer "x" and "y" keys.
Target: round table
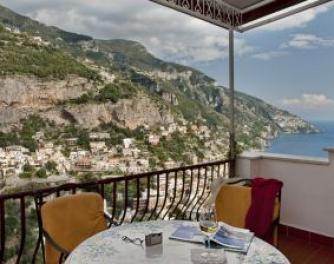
{"x": 108, "y": 247}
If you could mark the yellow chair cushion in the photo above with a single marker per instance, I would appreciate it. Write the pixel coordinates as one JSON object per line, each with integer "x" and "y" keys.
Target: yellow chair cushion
{"x": 233, "y": 202}
{"x": 69, "y": 220}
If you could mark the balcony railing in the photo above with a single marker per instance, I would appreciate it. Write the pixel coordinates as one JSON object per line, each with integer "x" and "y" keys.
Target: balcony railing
{"x": 176, "y": 193}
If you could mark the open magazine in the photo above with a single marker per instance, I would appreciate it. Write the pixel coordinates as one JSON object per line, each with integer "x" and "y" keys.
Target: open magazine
{"x": 229, "y": 237}
{"x": 189, "y": 233}
{"x": 232, "y": 238}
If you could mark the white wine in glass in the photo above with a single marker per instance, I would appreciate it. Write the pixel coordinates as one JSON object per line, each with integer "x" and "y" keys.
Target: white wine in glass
{"x": 207, "y": 220}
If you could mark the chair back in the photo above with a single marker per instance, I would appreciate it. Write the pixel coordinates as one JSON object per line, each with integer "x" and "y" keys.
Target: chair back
{"x": 232, "y": 204}
{"x": 69, "y": 220}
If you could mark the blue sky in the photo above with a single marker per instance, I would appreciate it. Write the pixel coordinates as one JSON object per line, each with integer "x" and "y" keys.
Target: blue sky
{"x": 298, "y": 78}
{"x": 289, "y": 63}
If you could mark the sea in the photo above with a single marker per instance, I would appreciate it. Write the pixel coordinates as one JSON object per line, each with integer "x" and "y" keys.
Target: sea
{"x": 305, "y": 144}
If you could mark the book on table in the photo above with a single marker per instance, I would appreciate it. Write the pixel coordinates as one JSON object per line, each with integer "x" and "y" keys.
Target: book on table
{"x": 228, "y": 237}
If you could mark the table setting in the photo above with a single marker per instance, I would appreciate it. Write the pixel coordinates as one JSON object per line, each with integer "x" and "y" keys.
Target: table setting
{"x": 153, "y": 242}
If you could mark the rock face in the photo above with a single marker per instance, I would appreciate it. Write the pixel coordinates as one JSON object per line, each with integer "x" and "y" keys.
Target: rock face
{"x": 90, "y": 115}
{"x": 135, "y": 113}
{"x": 23, "y": 91}
{"x": 10, "y": 117}
{"x": 129, "y": 113}
{"x": 21, "y": 96}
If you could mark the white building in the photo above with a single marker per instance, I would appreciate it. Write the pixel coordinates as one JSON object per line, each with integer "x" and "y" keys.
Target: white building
{"x": 98, "y": 146}
{"x": 128, "y": 142}
{"x": 99, "y": 136}
{"x": 153, "y": 139}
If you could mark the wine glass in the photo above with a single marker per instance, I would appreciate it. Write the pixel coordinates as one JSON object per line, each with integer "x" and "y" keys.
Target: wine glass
{"x": 207, "y": 220}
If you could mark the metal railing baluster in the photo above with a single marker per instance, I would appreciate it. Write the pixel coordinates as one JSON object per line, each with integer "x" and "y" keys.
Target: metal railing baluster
{"x": 166, "y": 193}
{"x": 126, "y": 194}
{"x": 23, "y": 228}
{"x": 148, "y": 187}
{"x": 173, "y": 198}
{"x": 137, "y": 201}
{"x": 202, "y": 194}
{"x": 2, "y": 230}
{"x": 195, "y": 196}
{"x": 208, "y": 194}
{"x": 40, "y": 236}
{"x": 185, "y": 206}
{"x": 114, "y": 201}
{"x": 157, "y": 198}
{"x": 182, "y": 193}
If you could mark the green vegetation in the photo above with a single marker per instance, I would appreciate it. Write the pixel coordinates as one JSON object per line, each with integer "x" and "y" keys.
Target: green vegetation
{"x": 30, "y": 126}
{"x": 194, "y": 111}
{"x": 28, "y": 171}
{"x": 51, "y": 166}
{"x": 24, "y": 136}
{"x": 114, "y": 92}
{"x": 84, "y": 99}
{"x": 177, "y": 147}
{"x": 110, "y": 92}
{"x": 41, "y": 173}
{"x": 28, "y": 168}
{"x": 20, "y": 55}
{"x": 26, "y": 175}
{"x": 73, "y": 131}
{"x": 8, "y": 139}
{"x": 117, "y": 134}
{"x": 83, "y": 140}
{"x": 130, "y": 53}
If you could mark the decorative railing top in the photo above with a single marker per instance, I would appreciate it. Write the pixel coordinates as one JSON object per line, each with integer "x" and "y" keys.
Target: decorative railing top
{"x": 213, "y": 11}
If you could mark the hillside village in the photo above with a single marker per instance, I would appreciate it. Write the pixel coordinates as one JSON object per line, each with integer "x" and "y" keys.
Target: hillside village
{"x": 19, "y": 165}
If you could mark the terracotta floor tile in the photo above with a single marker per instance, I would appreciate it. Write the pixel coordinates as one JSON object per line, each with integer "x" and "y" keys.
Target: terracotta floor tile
{"x": 299, "y": 251}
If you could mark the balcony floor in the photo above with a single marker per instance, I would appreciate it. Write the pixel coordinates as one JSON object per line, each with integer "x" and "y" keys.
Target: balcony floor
{"x": 298, "y": 251}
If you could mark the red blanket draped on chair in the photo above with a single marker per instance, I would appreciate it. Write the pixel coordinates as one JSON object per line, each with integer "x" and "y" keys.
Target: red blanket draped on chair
{"x": 260, "y": 215}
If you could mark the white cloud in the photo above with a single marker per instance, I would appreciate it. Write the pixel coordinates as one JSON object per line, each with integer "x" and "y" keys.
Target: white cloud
{"x": 265, "y": 56}
{"x": 299, "y": 20}
{"x": 309, "y": 101}
{"x": 307, "y": 41}
{"x": 166, "y": 33}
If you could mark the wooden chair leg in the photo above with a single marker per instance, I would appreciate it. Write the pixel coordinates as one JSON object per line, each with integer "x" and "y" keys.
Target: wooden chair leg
{"x": 275, "y": 236}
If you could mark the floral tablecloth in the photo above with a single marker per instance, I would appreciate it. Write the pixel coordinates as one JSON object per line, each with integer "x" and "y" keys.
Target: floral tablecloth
{"x": 108, "y": 247}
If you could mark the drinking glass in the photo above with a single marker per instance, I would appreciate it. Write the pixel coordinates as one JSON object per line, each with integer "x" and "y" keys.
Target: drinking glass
{"x": 207, "y": 220}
